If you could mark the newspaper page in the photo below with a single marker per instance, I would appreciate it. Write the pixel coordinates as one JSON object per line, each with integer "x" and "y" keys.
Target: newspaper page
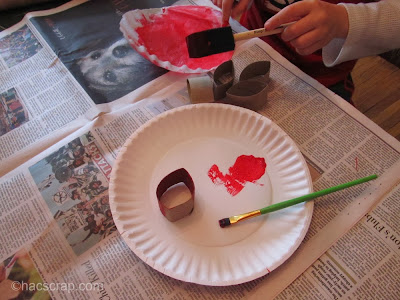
{"x": 65, "y": 64}
{"x": 363, "y": 264}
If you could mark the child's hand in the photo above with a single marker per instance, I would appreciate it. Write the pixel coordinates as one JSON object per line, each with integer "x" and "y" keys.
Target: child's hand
{"x": 231, "y": 8}
{"x": 317, "y": 24}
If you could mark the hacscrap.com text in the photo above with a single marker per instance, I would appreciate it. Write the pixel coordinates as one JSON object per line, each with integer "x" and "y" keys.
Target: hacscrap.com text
{"x": 57, "y": 286}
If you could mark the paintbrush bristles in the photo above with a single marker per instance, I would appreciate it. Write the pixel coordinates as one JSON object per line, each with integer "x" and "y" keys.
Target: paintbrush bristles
{"x": 210, "y": 42}
{"x": 224, "y": 222}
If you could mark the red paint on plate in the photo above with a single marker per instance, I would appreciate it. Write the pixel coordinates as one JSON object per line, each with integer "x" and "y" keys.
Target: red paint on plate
{"x": 164, "y": 35}
{"x": 247, "y": 168}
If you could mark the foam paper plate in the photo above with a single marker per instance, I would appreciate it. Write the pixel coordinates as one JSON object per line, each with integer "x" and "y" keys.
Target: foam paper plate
{"x": 159, "y": 34}
{"x": 195, "y": 249}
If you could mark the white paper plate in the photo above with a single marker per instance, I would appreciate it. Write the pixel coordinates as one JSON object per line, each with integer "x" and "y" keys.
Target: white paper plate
{"x": 195, "y": 249}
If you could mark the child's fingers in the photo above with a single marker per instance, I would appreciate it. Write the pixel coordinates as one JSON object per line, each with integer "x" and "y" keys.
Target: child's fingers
{"x": 298, "y": 29}
{"x": 289, "y": 14}
{"x": 217, "y": 3}
{"x": 307, "y": 40}
{"x": 312, "y": 41}
{"x": 226, "y": 10}
{"x": 240, "y": 8}
{"x": 311, "y": 49}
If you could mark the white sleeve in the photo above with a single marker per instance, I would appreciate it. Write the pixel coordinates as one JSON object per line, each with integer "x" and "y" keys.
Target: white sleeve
{"x": 373, "y": 28}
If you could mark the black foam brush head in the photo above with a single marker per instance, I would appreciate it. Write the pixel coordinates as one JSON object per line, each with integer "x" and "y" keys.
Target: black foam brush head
{"x": 209, "y": 42}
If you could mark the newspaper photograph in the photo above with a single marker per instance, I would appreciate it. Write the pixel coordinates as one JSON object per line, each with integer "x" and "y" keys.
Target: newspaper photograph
{"x": 102, "y": 61}
{"x": 74, "y": 183}
{"x": 17, "y": 272}
{"x": 13, "y": 112}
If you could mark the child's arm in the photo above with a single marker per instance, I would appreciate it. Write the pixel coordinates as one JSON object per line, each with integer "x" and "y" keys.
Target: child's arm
{"x": 373, "y": 29}
{"x": 343, "y": 31}
{"x": 318, "y": 22}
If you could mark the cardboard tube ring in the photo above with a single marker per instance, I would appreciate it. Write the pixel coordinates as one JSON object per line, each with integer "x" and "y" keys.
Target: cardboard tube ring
{"x": 200, "y": 89}
{"x": 252, "y": 89}
{"x": 223, "y": 79}
{"x": 183, "y": 209}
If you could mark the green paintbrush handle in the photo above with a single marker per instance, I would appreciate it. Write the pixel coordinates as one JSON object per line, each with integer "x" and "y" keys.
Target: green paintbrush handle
{"x": 287, "y": 203}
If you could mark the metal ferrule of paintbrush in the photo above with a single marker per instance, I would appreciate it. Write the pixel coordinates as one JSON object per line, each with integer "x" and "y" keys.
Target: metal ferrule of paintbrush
{"x": 234, "y": 219}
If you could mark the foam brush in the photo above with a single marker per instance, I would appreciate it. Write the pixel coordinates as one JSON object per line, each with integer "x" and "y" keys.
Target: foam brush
{"x": 222, "y": 39}
{"x": 281, "y": 205}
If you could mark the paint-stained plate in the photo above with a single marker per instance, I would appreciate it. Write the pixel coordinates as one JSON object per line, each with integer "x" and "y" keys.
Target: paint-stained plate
{"x": 159, "y": 35}
{"x": 195, "y": 249}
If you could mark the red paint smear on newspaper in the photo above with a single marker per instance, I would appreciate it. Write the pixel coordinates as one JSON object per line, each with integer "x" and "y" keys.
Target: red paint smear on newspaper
{"x": 247, "y": 168}
{"x": 164, "y": 35}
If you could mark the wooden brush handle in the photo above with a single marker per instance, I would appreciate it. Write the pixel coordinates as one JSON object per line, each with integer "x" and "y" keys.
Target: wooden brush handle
{"x": 259, "y": 32}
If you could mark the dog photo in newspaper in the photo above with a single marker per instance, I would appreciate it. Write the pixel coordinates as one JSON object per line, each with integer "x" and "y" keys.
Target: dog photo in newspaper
{"x": 103, "y": 62}
{"x": 113, "y": 71}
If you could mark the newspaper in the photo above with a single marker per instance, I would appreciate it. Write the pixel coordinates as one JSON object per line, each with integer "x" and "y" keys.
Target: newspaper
{"x": 60, "y": 136}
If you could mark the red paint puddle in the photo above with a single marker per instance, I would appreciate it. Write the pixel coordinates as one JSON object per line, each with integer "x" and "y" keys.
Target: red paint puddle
{"x": 164, "y": 35}
{"x": 247, "y": 168}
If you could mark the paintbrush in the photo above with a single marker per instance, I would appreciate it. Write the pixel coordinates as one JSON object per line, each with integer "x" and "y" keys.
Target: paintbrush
{"x": 277, "y": 206}
{"x": 222, "y": 39}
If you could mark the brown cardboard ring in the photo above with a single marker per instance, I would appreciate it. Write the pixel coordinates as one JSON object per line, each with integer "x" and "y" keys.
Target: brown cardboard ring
{"x": 251, "y": 94}
{"x": 252, "y": 89}
{"x": 258, "y": 69}
{"x": 184, "y": 209}
{"x": 220, "y": 88}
